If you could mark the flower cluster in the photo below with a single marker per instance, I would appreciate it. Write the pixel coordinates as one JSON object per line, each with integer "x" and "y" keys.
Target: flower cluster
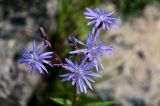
{"x": 80, "y": 72}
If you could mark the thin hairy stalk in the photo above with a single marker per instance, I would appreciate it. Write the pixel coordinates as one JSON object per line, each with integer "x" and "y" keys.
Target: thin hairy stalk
{"x": 58, "y": 58}
{"x": 74, "y": 96}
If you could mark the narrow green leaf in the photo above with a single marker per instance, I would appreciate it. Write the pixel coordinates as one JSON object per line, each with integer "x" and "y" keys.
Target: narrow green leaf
{"x": 61, "y": 101}
{"x": 100, "y": 103}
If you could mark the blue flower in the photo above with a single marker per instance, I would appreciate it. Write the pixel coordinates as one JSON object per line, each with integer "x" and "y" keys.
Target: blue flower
{"x": 79, "y": 74}
{"x": 35, "y": 58}
{"x": 101, "y": 18}
{"x": 93, "y": 49}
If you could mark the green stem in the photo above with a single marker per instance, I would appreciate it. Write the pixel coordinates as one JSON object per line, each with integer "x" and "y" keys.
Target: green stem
{"x": 74, "y": 96}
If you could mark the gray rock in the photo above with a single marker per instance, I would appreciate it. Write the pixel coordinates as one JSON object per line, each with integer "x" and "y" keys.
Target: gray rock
{"x": 134, "y": 68}
{"x": 19, "y": 22}
{"x": 16, "y": 83}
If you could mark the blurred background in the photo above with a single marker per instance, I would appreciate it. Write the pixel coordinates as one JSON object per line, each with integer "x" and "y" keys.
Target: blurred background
{"x": 131, "y": 75}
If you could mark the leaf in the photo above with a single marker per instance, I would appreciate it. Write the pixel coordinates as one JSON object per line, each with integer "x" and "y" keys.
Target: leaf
{"x": 61, "y": 101}
{"x": 108, "y": 103}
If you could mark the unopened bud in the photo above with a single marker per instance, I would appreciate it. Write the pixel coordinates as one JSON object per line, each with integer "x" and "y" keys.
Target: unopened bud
{"x": 42, "y": 32}
{"x": 48, "y": 43}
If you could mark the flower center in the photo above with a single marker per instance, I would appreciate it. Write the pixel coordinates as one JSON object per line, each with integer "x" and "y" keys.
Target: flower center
{"x": 101, "y": 18}
{"x": 34, "y": 58}
{"x": 79, "y": 71}
{"x": 91, "y": 53}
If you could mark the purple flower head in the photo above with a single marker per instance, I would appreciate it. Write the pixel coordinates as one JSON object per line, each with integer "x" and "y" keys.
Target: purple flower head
{"x": 80, "y": 75}
{"x": 93, "y": 49}
{"x": 101, "y": 18}
{"x": 35, "y": 58}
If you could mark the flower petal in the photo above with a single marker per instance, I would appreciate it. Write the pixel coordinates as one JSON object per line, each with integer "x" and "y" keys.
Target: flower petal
{"x": 90, "y": 11}
{"x": 83, "y": 61}
{"x": 46, "y": 54}
{"x": 42, "y": 66}
{"x": 65, "y": 75}
{"x": 91, "y": 23}
{"x": 39, "y": 68}
{"x": 88, "y": 66}
{"x": 88, "y": 83}
{"x": 33, "y": 46}
{"x": 98, "y": 22}
{"x": 78, "y": 51}
{"x": 90, "y": 73}
{"x": 69, "y": 62}
{"x": 80, "y": 42}
{"x": 69, "y": 68}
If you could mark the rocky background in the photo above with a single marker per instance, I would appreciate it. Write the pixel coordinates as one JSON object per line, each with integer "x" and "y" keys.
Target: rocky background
{"x": 19, "y": 22}
{"x": 131, "y": 75}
